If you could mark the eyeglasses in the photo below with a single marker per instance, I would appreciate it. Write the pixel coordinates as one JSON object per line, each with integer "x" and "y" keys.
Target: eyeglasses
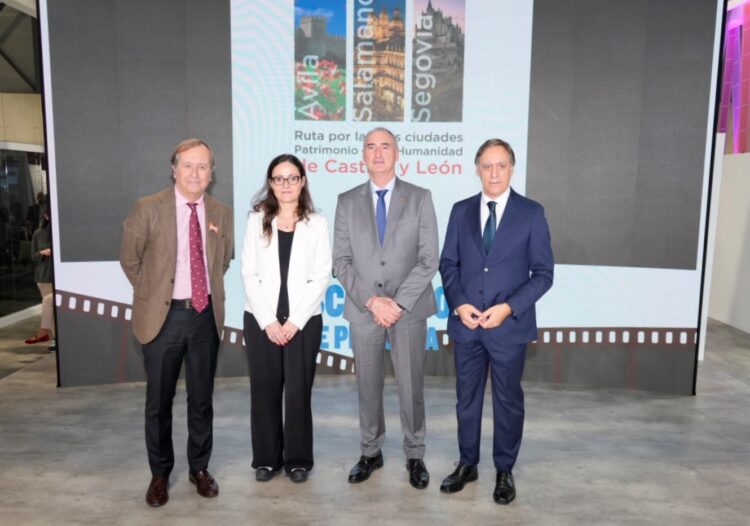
{"x": 292, "y": 180}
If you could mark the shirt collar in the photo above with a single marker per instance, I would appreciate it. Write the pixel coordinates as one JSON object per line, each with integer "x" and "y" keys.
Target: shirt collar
{"x": 180, "y": 200}
{"x": 501, "y": 200}
{"x": 389, "y": 186}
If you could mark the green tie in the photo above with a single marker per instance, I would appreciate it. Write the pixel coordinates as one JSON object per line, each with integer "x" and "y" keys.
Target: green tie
{"x": 489, "y": 228}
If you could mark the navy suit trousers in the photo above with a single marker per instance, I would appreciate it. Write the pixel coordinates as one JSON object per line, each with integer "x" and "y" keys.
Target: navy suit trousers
{"x": 505, "y": 362}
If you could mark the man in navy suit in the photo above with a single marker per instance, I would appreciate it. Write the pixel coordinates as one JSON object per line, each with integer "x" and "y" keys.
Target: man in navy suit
{"x": 496, "y": 263}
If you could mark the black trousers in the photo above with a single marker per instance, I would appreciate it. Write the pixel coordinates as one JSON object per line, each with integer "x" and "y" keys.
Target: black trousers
{"x": 277, "y": 372}
{"x": 190, "y": 337}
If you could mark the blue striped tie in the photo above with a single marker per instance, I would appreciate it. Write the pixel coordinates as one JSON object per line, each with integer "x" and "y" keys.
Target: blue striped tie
{"x": 380, "y": 217}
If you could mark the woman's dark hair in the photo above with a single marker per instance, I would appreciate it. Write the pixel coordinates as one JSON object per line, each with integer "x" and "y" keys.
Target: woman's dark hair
{"x": 265, "y": 201}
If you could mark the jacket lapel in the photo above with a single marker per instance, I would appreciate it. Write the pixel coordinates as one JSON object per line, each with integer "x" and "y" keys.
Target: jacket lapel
{"x": 395, "y": 210}
{"x": 168, "y": 220}
{"x": 272, "y": 251}
{"x": 506, "y": 222}
{"x": 368, "y": 214}
{"x": 211, "y": 219}
{"x": 474, "y": 221}
{"x": 299, "y": 244}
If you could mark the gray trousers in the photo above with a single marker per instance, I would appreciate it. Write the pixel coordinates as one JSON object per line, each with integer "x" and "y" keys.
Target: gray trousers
{"x": 407, "y": 339}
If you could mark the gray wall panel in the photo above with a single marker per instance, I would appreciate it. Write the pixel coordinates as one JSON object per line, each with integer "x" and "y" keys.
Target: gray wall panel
{"x": 130, "y": 79}
{"x": 618, "y": 112}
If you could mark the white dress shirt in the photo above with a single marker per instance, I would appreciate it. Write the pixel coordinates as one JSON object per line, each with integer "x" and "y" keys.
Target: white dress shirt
{"x": 182, "y": 283}
{"x": 484, "y": 212}
{"x": 389, "y": 187}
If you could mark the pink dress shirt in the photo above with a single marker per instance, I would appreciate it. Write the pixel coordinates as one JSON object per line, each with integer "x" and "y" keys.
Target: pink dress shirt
{"x": 182, "y": 288}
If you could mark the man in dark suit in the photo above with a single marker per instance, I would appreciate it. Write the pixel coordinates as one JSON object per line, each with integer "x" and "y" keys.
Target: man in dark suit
{"x": 385, "y": 254}
{"x": 178, "y": 308}
{"x": 496, "y": 263}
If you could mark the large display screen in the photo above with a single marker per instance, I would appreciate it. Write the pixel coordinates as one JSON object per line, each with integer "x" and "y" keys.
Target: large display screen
{"x": 608, "y": 106}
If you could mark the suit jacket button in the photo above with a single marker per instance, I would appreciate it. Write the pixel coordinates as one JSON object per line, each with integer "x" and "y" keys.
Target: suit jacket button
{"x": 481, "y": 291}
{"x": 380, "y": 285}
{"x": 486, "y": 269}
{"x": 166, "y": 303}
{"x": 382, "y": 263}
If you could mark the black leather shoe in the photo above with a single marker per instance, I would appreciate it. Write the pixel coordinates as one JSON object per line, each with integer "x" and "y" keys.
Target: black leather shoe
{"x": 157, "y": 494}
{"x": 505, "y": 488}
{"x": 460, "y": 476}
{"x": 204, "y": 483}
{"x": 298, "y": 475}
{"x": 364, "y": 468}
{"x": 418, "y": 475}
{"x": 264, "y": 474}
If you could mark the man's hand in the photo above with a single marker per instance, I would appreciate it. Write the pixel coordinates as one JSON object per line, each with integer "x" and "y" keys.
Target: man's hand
{"x": 47, "y": 252}
{"x": 495, "y": 316}
{"x": 385, "y": 311}
{"x": 276, "y": 334}
{"x": 469, "y": 315}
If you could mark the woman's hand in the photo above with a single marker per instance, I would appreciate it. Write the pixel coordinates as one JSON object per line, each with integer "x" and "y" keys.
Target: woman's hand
{"x": 275, "y": 333}
{"x": 289, "y": 330}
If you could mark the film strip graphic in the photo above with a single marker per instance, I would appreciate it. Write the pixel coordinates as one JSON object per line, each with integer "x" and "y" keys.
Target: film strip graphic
{"x": 586, "y": 336}
{"x": 553, "y": 338}
{"x": 121, "y": 313}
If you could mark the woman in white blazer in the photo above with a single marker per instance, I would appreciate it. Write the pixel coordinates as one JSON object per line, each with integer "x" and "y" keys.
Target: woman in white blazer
{"x": 286, "y": 266}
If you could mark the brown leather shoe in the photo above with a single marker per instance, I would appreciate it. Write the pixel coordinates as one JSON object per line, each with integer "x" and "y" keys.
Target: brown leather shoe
{"x": 204, "y": 483}
{"x": 157, "y": 494}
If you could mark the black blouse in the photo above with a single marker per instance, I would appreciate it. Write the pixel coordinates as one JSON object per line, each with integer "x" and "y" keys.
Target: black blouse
{"x": 285, "y": 251}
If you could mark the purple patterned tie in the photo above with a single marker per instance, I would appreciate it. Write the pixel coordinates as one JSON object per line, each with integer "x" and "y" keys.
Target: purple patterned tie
{"x": 197, "y": 267}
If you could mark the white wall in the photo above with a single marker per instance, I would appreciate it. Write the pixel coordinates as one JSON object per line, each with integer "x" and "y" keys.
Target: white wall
{"x": 730, "y": 283}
